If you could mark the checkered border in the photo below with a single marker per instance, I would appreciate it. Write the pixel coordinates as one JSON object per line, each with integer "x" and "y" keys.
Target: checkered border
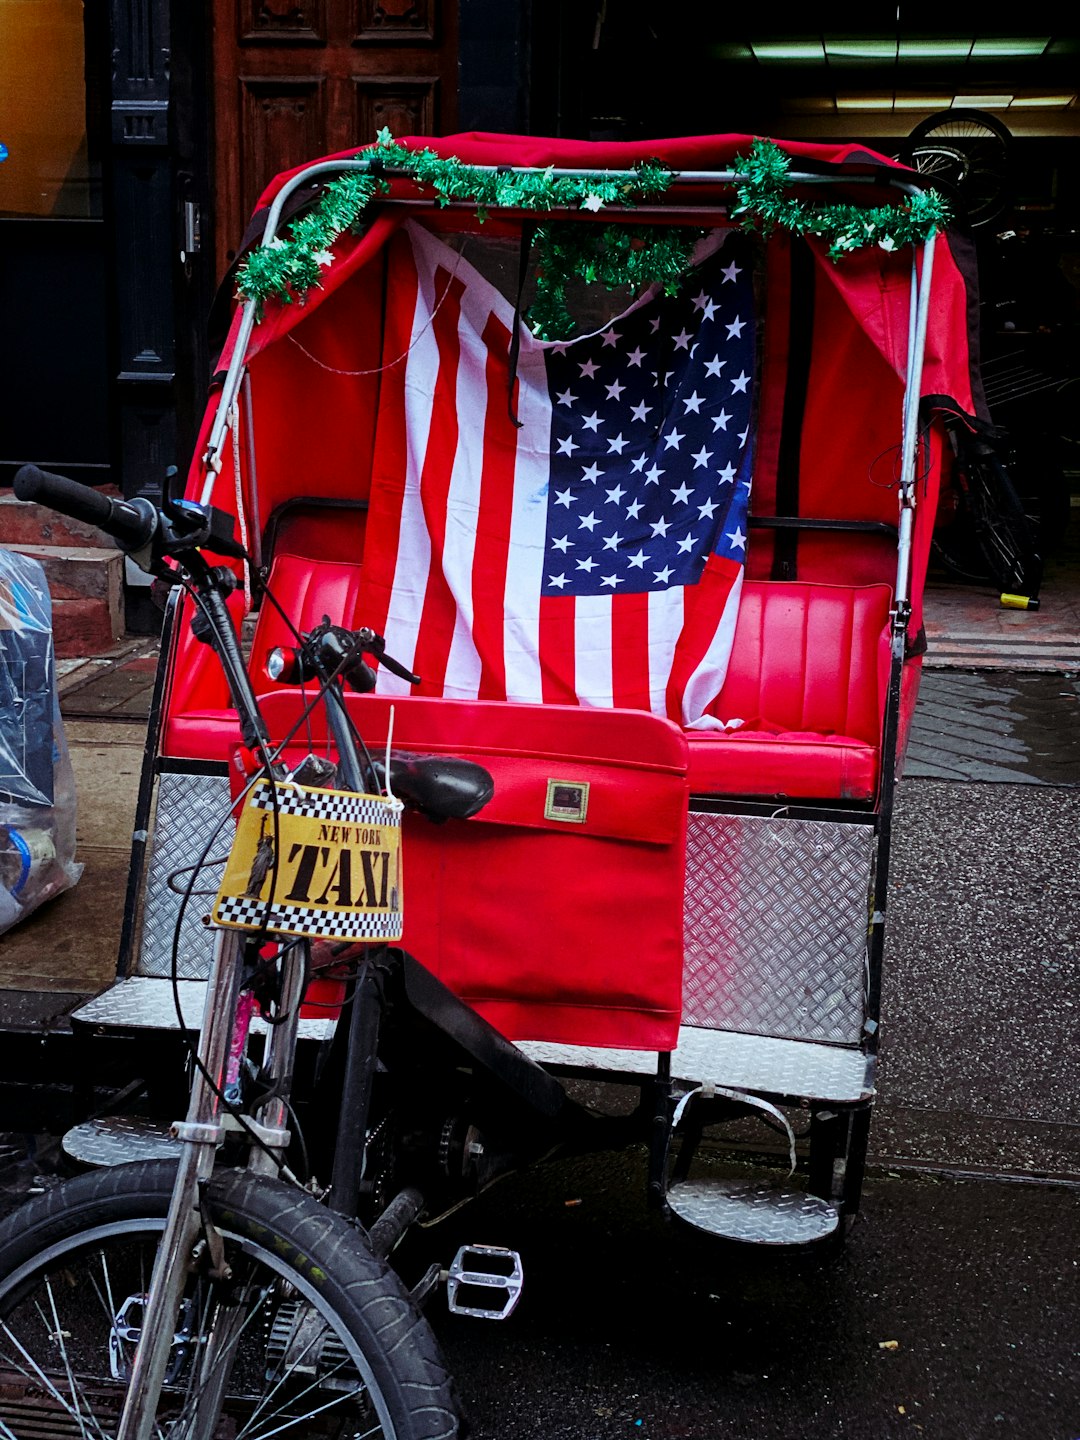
{"x": 338, "y": 805}
{"x": 235, "y": 912}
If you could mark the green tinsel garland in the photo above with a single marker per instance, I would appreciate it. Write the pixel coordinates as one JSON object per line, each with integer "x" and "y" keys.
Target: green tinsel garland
{"x": 765, "y": 204}
{"x": 614, "y": 255}
{"x": 634, "y": 256}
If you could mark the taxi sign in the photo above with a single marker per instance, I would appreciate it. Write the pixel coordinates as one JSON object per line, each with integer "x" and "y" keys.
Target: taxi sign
{"x": 327, "y": 865}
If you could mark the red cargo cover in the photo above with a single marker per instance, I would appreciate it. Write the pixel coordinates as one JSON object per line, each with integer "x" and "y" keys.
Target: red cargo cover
{"x": 565, "y": 930}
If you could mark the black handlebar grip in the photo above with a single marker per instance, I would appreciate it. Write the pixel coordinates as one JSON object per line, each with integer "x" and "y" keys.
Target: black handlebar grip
{"x": 131, "y": 525}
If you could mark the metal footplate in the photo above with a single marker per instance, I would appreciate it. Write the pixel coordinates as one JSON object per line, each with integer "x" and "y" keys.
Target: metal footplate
{"x": 118, "y": 1139}
{"x": 755, "y": 1214}
{"x": 484, "y": 1281}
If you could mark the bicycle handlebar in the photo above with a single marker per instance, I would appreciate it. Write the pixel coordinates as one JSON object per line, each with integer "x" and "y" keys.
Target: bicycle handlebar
{"x": 131, "y": 523}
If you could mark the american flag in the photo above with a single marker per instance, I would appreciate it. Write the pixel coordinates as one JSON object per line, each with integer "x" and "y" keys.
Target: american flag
{"x": 594, "y": 555}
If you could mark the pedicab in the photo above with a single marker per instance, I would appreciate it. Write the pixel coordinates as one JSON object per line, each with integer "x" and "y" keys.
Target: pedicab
{"x": 609, "y": 469}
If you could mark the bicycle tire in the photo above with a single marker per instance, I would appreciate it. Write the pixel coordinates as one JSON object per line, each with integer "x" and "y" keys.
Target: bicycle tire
{"x": 970, "y": 150}
{"x": 328, "y": 1333}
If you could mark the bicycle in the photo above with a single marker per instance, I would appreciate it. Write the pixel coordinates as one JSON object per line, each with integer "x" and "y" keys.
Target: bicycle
{"x": 990, "y": 536}
{"x": 265, "y": 1311}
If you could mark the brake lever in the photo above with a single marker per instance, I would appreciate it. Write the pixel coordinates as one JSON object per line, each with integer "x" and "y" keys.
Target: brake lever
{"x": 376, "y": 646}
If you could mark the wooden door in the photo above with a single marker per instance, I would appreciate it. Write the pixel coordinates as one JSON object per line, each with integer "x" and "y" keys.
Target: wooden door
{"x": 295, "y": 79}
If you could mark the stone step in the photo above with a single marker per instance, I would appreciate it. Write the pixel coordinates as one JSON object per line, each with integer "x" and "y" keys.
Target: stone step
{"x": 86, "y": 585}
{"x": 24, "y": 523}
{"x": 83, "y": 628}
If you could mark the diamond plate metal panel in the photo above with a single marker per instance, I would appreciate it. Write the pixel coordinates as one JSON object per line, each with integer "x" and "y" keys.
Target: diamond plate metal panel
{"x": 144, "y": 1002}
{"x": 757, "y": 1063}
{"x": 775, "y": 926}
{"x": 757, "y": 1215}
{"x": 189, "y": 810}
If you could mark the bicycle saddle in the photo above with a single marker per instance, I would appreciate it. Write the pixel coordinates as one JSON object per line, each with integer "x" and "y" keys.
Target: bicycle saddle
{"x": 442, "y": 787}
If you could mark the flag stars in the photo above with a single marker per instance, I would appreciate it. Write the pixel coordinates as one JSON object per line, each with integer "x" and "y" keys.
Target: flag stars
{"x": 708, "y": 510}
{"x": 588, "y": 564}
{"x": 635, "y": 357}
{"x": 611, "y": 580}
{"x": 673, "y": 439}
{"x": 730, "y": 272}
{"x": 565, "y": 398}
{"x": 701, "y": 300}
{"x": 739, "y": 384}
{"x": 637, "y": 465}
{"x": 564, "y": 497}
{"x": 615, "y": 390}
{"x": 614, "y": 496}
{"x": 682, "y": 340}
{"x": 588, "y": 522}
{"x": 567, "y": 446}
{"x": 637, "y": 561}
{"x": 702, "y": 458}
{"x": 610, "y": 337}
{"x": 640, "y": 411}
{"x": 727, "y": 475}
{"x": 634, "y": 509}
{"x": 617, "y": 445}
{"x": 737, "y": 538}
{"x": 591, "y": 473}
{"x": 558, "y": 581}
{"x": 652, "y": 475}
{"x": 612, "y": 542}
{"x": 661, "y": 527}
{"x": 693, "y": 402}
{"x": 588, "y": 369}
{"x": 712, "y": 367}
{"x": 681, "y": 496}
{"x": 591, "y": 422}
{"x": 719, "y": 422}
{"x": 736, "y": 328}
{"x": 563, "y": 543}
{"x": 686, "y": 546}
{"x": 663, "y": 576}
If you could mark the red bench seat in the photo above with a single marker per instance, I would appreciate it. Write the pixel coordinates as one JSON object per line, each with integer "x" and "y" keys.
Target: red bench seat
{"x": 807, "y": 682}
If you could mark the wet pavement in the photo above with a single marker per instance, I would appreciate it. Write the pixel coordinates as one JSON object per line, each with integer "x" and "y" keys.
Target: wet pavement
{"x": 953, "y": 1313}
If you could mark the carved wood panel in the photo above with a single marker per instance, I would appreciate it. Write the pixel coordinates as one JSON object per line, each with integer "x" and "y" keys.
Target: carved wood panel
{"x": 283, "y": 22}
{"x": 392, "y": 22}
{"x": 296, "y": 79}
{"x": 403, "y": 106}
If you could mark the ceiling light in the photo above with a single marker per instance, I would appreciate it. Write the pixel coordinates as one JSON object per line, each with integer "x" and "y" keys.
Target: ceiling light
{"x": 788, "y": 50}
{"x": 1042, "y": 102}
{"x": 921, "y": 102}
{"x": 934, "y": 49}
{"x": 981, "y": 102}
{"x": 861, "y": 49}
{"x": 1033, "y": 45}
{"x": 864, "y": 102}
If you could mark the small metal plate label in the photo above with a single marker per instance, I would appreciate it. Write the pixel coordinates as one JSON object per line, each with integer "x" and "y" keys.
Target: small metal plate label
{"x": 567, "y": 800}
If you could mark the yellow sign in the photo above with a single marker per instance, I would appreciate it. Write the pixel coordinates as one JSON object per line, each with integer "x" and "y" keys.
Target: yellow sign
{"x": 320, "y": 863}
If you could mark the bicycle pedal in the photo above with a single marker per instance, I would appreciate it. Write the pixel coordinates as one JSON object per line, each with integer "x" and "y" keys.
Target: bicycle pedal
{"x": 485, "y": 1282}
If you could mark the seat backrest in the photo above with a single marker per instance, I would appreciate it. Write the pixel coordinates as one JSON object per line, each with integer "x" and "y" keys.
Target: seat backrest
{"x": 808, "y": 657}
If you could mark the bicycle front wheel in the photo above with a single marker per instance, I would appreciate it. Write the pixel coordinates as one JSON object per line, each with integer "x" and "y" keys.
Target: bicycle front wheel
{"x": 310, "y": 1337}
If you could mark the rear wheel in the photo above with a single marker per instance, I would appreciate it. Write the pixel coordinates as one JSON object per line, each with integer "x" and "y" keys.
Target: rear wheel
{"x": 320, "y": 1339}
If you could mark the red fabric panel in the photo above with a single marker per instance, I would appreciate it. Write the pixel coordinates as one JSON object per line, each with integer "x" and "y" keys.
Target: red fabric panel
{"x": 553, "y": 930}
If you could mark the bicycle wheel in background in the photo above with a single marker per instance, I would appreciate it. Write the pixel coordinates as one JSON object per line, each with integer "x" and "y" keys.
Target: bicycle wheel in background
{"x": 970, "y": 150}
{"x": 322, "y": 1342}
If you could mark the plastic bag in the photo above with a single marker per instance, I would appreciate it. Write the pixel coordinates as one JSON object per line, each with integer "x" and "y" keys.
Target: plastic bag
{"x": 37, "y": 786}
